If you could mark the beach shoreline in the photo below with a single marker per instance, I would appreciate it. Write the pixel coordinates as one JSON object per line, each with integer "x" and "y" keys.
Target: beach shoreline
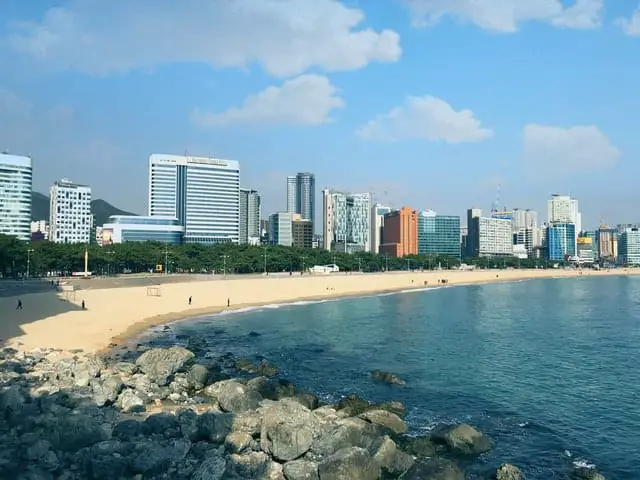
{"x": 116, "y": 316}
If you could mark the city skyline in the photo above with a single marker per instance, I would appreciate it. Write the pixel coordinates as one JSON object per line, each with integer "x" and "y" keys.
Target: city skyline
{"x": 333, "y": 101}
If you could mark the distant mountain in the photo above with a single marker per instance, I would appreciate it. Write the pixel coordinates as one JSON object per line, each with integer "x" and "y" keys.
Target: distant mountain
{"x": 100, "y": 208}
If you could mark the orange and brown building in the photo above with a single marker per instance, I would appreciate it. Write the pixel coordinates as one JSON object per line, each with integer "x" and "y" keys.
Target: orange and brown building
{"x": 400, "y": 233}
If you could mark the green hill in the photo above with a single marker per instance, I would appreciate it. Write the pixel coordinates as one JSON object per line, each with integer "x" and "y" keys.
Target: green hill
{"x": 100, "y": 208}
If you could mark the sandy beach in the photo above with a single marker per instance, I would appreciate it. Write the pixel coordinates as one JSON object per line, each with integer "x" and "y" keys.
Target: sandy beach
{"x": 112, "y": 315}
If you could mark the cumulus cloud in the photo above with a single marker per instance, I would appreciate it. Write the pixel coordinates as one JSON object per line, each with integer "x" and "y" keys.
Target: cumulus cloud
{"x": 285, "y": 37}
{"x": 304, "y": 100}
{"x": 631, "y": 25}
{"x": 506, "y": 15}
{"x": 425, "y": 118}
{"x": 559, "y": 151}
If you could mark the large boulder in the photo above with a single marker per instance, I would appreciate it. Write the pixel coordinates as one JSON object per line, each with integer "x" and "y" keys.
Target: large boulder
{"x": 461, "y": 439}
{"x": 214, "y": 426}
{"x": 233, "y": 396}
{"x": 287, "y": 430}
{"x": 509, "y": 472}
{"x": 254, "y": 465}
{"x": 159, "y": 364}
{"x": 212, "y": 468}
{"x": 86, "y": 369}
{"x": 433, "y": 469}
{"x": 420, "y": 447}
{"x": 301, "y": 470}
{"x": 130, "y": 401}
{"x": 392, "y": 460}
{"x": 345, "y": 433}
{"x": 586, "y": 473}
{"x": 106, "y": 391}
{"x": 387, "y": 377}
{"x": 353, "y": 463}
{"x": 385, "y": 419}
{"x": 73, "y": 431}
{"x": 352, "y": 405}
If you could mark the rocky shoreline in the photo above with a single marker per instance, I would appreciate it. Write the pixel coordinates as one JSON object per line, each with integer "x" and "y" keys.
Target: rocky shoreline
{"x": 165, "y": 413}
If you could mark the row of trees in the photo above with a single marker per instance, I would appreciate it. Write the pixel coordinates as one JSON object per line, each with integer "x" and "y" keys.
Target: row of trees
{"x": 20, "y": 259}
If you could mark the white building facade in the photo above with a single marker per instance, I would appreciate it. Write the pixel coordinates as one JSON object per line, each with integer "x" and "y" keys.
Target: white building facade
{"x": 378, "y": 211}
{"x": 629, "y": 247}
{"x": 495, "y": 237}
{"x": 564, "y": 209}
{"x": 281, "y": 229}
{"x": 250, "y": 210}
{"x": 203, "y": 193}
{"x": 16, "y": 180}
{"x": 70, "y": 218}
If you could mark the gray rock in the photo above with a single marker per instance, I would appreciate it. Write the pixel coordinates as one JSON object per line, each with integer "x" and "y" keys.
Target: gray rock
{"x": 418, "y": 446}
{"x": 301, "y": 470}
{"x": 386, "y": 419}
{"x": 346, "y": 433}
{"x": 106, "y": 460}
{"x": 353, "y": 405}
{"x": 197, "y": 377}
{"x": 389, "y": 457}
{"x": 394, "y": 407}
{"x": 585, "y": 473}
{"x": 461, "y": 439}
{"x": 287, "y": 430}
{"x": 233, "y": 396}
{"x": 212, "y": 468}
{"x": 160, "y": 364}
{"x": 130, "y": 401}
{"x": 254, "y": 465}
{"x": 214, "y": 426}
{"x": 353, "y": 463}
{"x": 509, "y": 472}
{"x": 433, "y": 469}
{"x": 164, "y": 424}
{"x": 74, "y": 431}
{"x": 127, "y": 430}
{"x": 125, "y": 368}
{"x": 386, "y": 377}
{"x": 150, "y": 458}
{"x": 11, "y": 401}
{"x": 188, "y": 420}
{"x": 106, "y": 391}
{"x": 238, "y": 442}
{"x": 86, "y": 369}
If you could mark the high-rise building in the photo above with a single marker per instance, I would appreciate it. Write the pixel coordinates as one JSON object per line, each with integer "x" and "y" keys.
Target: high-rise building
{"x": 281, "y": 229}
{"x": 16, "y": 177}
{"x": 202, "y": 193}
{"x": 629, "y": 247}
{"x": 561, "y": 241}
{"x": 301, "y": 231}
{"x": 250, "y": 210}
{"x": 301, "y": 195}
{"x": 400, "y": 234}
{"x": 70, "y": 218}
{"x": 488, "y": 237}
{"x": 527, "y": 238}
{"x": 607, "y": 240}
{"x": 378, "y": 212}
{"x": 438, "y": 234}
{"x": 564, "y": 209}
{"x": 585, "y": 251}
{"x": 292, "y": 194}
{"x": 347, "y": 221}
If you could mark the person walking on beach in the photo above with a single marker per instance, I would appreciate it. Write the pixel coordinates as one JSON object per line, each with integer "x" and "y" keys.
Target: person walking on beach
{"x": 19, "y": 306}
{"x": 228, "y": 302}
{"x": 83, "y": 304}
{"x": 189, "y": 300}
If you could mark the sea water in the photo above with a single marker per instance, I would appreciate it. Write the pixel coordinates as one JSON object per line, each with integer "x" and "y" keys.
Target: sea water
{"x": 549, "y": 369}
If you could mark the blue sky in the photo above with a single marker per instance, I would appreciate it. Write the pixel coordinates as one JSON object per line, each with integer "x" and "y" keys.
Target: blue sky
{"x": 428, "y": 103}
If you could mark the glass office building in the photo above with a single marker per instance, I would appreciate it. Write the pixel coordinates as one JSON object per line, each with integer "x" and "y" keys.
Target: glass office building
{"x": 202, "y": 193}
{"x": 127, "y": 228}
{"x": 347, "y": 221}
{"x": 629, "y": 247}
{"x": 16, "y": 178}
{"x": 438, "y": 234}
{"x": 561, "y": 241}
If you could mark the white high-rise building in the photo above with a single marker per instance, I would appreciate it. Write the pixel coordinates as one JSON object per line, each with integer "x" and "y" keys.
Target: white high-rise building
{"x": 281, "y": 229}
{"x": 378, "y": 212}
{"x": 203, "y": 193}
{"x": 523, "y": 219}
{"x": 347, "y": 221}
{"x": 70, "y": 217}
{"x": 16, "y": 177}
{"x": 292, "y": 194}
{"x": 564, "y": 209}
{"x": 249, "y": 217}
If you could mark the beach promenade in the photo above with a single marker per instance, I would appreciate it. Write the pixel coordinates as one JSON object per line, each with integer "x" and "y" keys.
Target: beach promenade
{"x": 55, "y": 319}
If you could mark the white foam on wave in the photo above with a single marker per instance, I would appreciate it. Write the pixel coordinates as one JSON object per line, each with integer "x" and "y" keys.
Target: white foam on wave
{"x": 584, "y": 464}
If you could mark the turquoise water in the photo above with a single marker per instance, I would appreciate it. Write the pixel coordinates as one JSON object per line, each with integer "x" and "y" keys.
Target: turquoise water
{"x": 547, "y": 368}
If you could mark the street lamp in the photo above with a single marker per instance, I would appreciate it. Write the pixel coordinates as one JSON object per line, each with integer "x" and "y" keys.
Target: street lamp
{"x": 265, "y": 260}
{"x": 29, "y": 252}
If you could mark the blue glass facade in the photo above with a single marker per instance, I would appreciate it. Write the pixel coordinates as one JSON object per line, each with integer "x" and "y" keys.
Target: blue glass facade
{"x": 561, "y": 241}
{"x": 438, "y": 235}
{"x": 125, "y": 228}
{"x": 151, "y": 236}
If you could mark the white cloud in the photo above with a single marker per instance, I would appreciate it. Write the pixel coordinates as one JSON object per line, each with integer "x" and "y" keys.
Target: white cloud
{"x": 505, "y": 15}
{"x": 560, "y": 151}
{"x": 425, "y": 118}
{"x": 304, "y": 100}
{"x": 631, "y": 25}
{"x": 285, "y": 37}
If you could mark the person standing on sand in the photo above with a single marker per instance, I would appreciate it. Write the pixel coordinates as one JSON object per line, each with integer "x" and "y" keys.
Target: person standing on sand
{"x": 19, "y": 306}
{"x": 83, "y": 305}
{"x": 228, "y": 302}
{"x": 189, "y": 300}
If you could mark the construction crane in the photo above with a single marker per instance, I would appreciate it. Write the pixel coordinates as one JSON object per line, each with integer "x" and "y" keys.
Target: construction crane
{"x": 496, "y": 212}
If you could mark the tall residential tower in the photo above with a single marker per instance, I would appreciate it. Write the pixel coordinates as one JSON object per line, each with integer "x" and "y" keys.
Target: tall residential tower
{"x": 249, "y": 216}
{"x": 203, "y": 193}
{"x": 301, "y": 195}
{"x": 70, "y": 217}
{"x": 15, "y": 195}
